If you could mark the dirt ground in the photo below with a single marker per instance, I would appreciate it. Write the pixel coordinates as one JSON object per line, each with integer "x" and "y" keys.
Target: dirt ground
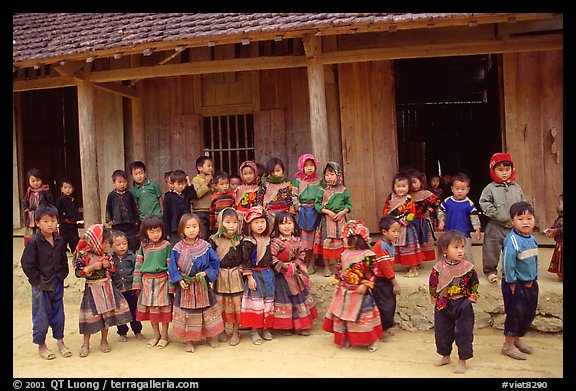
{"x": 408, "y": 354}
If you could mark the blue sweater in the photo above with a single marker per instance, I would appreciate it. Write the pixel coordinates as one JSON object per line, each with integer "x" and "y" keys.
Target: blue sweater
{"x": 461, "y": 216}
{"x": 519, "y": 257}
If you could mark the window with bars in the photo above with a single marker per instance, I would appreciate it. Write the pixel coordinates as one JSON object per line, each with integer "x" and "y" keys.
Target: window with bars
{"x": 229, "y": 140}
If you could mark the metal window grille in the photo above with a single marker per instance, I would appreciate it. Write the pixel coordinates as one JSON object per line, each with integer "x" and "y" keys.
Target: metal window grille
{"x": 229, "y": 140}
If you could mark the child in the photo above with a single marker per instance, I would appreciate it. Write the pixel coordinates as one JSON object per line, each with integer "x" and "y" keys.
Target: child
{"x": 221, "y": 198}
{"x": 446, "y": 183}
{"x": 459, "y": 213}
{"x": 333, "y": 203}
{"x": 352, "y": 315}
{"x": 68, "y": 215}
{"x": 400, "y": 205}
{"x": 434, "y": 187}
{"x": 169, "y": 184}
{"x": 275, "y": 192}
{"x": 386, "y": 287}
{"x": 151, "y": 280}
{"x": 229, "y": 285}
{"x": 453, "y": 286}
{"x": 45, "y": 264}
{"x": 294, "y": 306}
{"x": 176, "y": 204}
{"x": 245, "y": 194}
{"x": 495, "y": 202}
{"x": 145, "y": 191}
{"x": 258, "y": 296}
{"x": 122, "y": 210}
{"x": 38, "y": 193}
{"x": 102, "y": 303}
{"x": 424, "y": 202}
{"x": 557, "y": 232}
{"x": 519, "y": 280}
{"x": 203, "y": 185}
{"x": 193, "y": 269}
{"x": 125, "y": 260}
{"x": 304, "y": 189}
{"x": 235, "y": 181}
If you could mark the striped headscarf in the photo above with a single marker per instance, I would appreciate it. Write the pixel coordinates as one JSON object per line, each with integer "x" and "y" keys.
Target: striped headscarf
{"x": 92, "y": 242}
{"x": 356, "y": 227}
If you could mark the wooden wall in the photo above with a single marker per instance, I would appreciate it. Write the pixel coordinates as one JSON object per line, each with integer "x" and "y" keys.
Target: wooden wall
{"x": 533, "y": 98}
{"x": 369, "y": 145}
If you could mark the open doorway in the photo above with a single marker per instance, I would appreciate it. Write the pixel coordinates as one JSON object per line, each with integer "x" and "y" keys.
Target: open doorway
{"x": 448, "y": 116}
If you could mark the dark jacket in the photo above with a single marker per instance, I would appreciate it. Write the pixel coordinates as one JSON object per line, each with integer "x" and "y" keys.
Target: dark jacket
{"x": 67, "y": 210}
{"x": 176, "y": 205}
{"x": 121, "y": 208}
{"x": 43, "y": 263}
{"x": 122, "y": 277}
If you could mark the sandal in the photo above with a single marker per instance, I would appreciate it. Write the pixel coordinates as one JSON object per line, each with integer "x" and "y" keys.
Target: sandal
{"x": 47, "y": 354}
{"x": 409, "y": 274}
{"x": 104, "y": 347}
{"x": 523, "y": 347}
{"x": 492, "y": 278}
{"x": 234, "y": 339}
{"x": 65, "y": 352}
{"x": 327, "y": 272}
{"x": 512, "y": 351}
{"x": 153, "y": 342}
{"x": 257, "y": 339}
{"x": 189, "y": 348}
{"x": 304, "y": 332}
{"x": 84, "y": 350}
{"x": 212, "y": 342}
{"x": 373, "y": 347}
{"x": 267, "y": 335}
{"x": 222, "y": 337}
{"x": 162, "y": 343}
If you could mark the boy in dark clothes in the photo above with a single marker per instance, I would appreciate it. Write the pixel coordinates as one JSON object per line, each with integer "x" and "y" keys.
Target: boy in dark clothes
{"x": 122, "y": 211}
{"x": 45, "y": 264}
{"x": 68, "y": 215}
{"x": 176, "y": 204}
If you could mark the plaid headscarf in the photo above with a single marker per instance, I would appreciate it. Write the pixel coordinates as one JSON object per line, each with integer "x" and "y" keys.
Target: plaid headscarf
{"x": 91, "y": 242}
{"x": 356, "y": 227}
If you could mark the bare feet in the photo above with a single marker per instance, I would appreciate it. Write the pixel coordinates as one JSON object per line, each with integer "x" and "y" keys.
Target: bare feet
{"x": 442, "y": 361}
{"x": 122, "y": 338}
{"x": 460, "y": 367}
{"x": 212, "y": 342}
{"x": 140, "y": 336}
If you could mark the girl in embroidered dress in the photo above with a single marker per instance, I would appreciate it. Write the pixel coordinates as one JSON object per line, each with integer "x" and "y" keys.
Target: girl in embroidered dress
{"x": 333, "y": 202}
{"x": 258, "y": 297}
{"x": 304, "y": 189}
{"x": 400, "y": 204}
{"x": 557, "y": 232}
{"x": 229, "y": 284}
{"x": 151, "y": 280}
{"x": 102, "y": 303}
{"x": 275, "y": 192}
{"x": 38, "y": 193}
{"x": 352, "y": 315}
{"x": 425, "y": 202}
{"x": 453, "y": 285}
{"x": 294, "y": 307}
{"x": 245, "y": 193}
{"x": 193, "y": 269}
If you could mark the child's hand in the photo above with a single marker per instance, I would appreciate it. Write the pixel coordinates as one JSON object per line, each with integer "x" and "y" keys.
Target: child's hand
{"x": 549, "y": 232}
{"x": 251, "y": 283}
{"x": 361, "y": 289}
{"x": 285, "y": 266}
{"x": 208, "y": 179}
{"x": 106, "y": 264}
{"x": 477, "y": 234}
{"x": 183, "y": 284}
{"x": 96, "y": 266}
{"x": 441, "y": 225}
{"x": 201, "y": 274}
{"x": 339, "y": 216}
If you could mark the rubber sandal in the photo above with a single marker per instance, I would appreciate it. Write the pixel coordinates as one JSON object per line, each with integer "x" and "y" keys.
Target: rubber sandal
{"x": 304, "y": 332}
{"x": 409, "y": 274}
{"x": 104, "y": 347}
{"x": 162, "y": 343}
{"x": 222, "y": 337}
{"x": 65, "y": 352}
{"x": 512, "y": 351}
{"x": 492, "y": 278}
{"x": 327, "y": 272}
{"x": 524, "y": 348}
{"x": 212, "y": 342}
{"x": 257, "y": 339}
{"x": 47, "y": 354}
{"x": 267, "y": 335}
{"x": 153, "y": 342}
{"x": 234, "y": 340}
{"x": 84, "y": 351}
{"x": 373, "y": 347}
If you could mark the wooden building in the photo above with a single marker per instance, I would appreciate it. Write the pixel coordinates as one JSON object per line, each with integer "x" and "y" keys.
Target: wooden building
{"x": 375, "y": 92}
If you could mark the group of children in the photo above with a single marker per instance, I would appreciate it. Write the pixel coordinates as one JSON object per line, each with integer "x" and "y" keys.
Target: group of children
{"x": 204, "y": 255}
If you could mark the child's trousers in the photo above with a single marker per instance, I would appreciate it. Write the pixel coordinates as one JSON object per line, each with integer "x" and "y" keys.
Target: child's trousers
{"x": 47, "y": 311}
{"x": 520, "y": 307}
{"x": 385, "y": 300}
{"x": 494, "y": 235}
{"x": 455, "y": 323}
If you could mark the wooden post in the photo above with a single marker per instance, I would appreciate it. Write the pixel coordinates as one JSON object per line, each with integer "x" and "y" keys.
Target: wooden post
{"x": 88, "y": 156}
{"x": 317, "y": 96}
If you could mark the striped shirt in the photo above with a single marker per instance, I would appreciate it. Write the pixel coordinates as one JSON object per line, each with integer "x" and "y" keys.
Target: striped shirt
{"x": 519, "y": 257}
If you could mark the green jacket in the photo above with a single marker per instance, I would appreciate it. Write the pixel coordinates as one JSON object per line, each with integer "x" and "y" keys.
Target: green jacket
{"x": 496, "y": 200}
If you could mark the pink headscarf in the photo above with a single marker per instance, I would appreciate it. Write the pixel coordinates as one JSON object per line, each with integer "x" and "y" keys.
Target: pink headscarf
{"x": 301, "y": 162}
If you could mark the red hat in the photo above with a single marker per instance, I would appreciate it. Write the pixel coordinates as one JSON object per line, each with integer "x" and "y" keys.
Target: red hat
{"x": 254, "y": 212}
{"x": 356, "y": 227}
{"x": 499, "y": 158}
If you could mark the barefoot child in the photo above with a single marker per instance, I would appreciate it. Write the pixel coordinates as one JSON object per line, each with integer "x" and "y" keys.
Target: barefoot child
{"x": 453, "y": 285}
{"x": 229, "y": 285}
{"x": 193, "y": 269}
{"x": 151, "y": 280}
{"x": 102, "y": 303}
{"x": 45, "y": 264}
{"x": 125, "y": 260}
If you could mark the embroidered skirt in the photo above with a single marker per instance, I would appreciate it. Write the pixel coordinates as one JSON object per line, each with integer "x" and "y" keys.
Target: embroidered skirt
{"x": 294, "y": 307}
{"x": 228, "y": 288}
{"x": 102, "y": 306}
{"x": 425, "y": 235}
{"x": 193, "y": 324}
{"x": 409, "y": 254}
{"x": 257, "y": 308}
{"x": 154, "y": 302}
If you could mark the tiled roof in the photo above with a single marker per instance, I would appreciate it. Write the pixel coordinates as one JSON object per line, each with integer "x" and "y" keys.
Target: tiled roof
{"x": 44, "y": 36}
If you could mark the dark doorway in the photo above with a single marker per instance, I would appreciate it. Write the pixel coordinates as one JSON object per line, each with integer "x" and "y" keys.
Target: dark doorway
{"x": 49, "y": 126}
{"x": 448, "y": 115}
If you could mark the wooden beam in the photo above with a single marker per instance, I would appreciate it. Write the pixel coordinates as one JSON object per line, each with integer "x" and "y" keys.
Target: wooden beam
{"x": 432, "y": 49}
{"x": 118, "y": 89}
{"x": 42, "y": 84}
{"x": 199, "y": 67}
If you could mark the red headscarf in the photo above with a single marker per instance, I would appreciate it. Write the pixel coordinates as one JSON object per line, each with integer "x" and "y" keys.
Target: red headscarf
{"x": 254, "y": 212}
{"x": 498, "y": 158}
{"x": 356, "y": 227}
{"x": 301, "y": 162}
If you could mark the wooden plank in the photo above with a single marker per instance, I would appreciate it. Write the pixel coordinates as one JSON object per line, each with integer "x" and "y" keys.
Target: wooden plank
{"x": 88, "y": 152}
{"x": 333, "y": 114}
{"x": 42, "y": 84}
